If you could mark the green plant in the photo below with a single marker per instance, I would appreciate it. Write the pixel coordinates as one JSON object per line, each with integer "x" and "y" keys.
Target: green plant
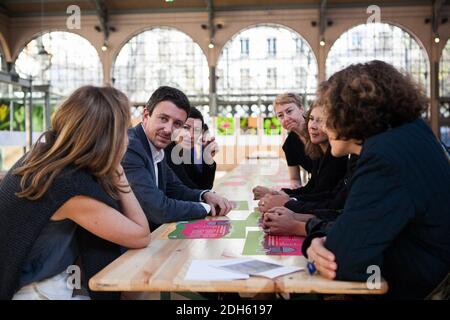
{"x": 225, "y": 126}
{"x": 19, "y": 118}
{"x": 272, "y": 126}
{"x": 4, "y": 117}
{"x": 38, "y": 118}
{"x": 18, "y": 124}
{"x": 248, "y": 126}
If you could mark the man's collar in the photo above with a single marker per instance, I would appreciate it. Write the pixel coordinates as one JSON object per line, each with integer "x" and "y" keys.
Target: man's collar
{"x": 157, "y": 155}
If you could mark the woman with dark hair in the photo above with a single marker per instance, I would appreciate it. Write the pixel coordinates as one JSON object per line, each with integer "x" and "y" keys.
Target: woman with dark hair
{"x": 397, "y": 215}
{"x": 71, "y": 182}
{"x": 191, "y": 156}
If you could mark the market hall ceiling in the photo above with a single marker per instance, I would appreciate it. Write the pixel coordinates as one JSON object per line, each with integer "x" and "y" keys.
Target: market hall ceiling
{"x": 17, "y": 8}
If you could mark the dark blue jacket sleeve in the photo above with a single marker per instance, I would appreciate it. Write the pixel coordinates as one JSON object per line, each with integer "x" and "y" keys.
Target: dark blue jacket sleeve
{"x": 158, "y": 207}
{"x": 377, "y": 209}
{"x": 176, "y": 189}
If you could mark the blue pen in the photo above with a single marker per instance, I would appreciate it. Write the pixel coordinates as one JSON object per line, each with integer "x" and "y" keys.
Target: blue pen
{"x": 311, "y": 268}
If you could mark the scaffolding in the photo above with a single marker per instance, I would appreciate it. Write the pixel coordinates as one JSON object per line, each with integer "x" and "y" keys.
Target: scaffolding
{"x": 17, "y": 94}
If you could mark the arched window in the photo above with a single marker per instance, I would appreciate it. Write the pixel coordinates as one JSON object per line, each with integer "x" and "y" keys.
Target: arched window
{"x": 63, "y": 60}
{"x": 444, "y": 94}
{"x": 160, "y": 56}
{"x": 379, "y": 41}
{"x": 260, "y": 62}
{"x": 444, "y": 72}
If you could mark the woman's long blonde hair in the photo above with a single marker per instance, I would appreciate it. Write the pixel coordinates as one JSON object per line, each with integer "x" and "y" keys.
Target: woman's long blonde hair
{"x": 88, "y": 131}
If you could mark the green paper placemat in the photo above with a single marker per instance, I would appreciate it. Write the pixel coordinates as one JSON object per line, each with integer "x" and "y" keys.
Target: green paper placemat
{"x": 253, "y": 244}
{"x": 253, "y": 219}
{"x": 240, "y": 205}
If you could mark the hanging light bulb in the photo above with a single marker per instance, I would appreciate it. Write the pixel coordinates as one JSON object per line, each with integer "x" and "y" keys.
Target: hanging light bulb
{"x": 436, "y": 39}
{"x": 211, "y": 45}
{"x": 43, "y": 56}
{"x": 322, "y": 42}
{"x": 104, "y": 47}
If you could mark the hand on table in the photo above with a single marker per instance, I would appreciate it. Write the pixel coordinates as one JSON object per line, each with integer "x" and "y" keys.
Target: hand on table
{"x": 260, "y": 191}
{"x": 219, "y": 205}
{"x": 270, "y": 201}
{"x": 281, "y": 221}
{"x": 323, "y": 259}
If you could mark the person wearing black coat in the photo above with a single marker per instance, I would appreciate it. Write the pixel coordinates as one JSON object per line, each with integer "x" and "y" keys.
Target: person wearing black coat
{"x": 331, "y": 200}
{"x": 327, "y": 170}
{"x": 289, "y": 110}
{"x": 396, "y": 219}
{"x": 326, "y": 174}
{"x": 196, "y": 172}
{"x": 161, "y": 194}
{"x": 313, "y": 212}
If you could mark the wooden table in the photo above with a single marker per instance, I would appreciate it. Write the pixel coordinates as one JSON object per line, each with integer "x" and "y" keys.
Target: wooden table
{"x": 161, "y": 267}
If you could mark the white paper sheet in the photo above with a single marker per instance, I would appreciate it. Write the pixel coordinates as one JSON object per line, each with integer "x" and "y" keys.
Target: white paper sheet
{"x": 206, "y": 270}
{"x": 256, "y": 267}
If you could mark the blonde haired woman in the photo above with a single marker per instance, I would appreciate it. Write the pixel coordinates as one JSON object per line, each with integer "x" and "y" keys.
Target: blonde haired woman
{"x": 290, "y": 111}
{"x": 70, "y": 179}
{"x": 326, "y": 170}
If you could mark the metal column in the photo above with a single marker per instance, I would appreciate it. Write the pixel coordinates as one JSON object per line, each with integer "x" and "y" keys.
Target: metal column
{"x": 212, "y": 91}
{"x": 28, "y": 117}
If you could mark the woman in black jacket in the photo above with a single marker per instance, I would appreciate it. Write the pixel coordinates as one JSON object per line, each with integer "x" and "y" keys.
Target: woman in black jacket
{"x": 191, "y": 158}
{"x": 304, "y": 216}
{"x": 290, "y": 111}
{"x": 397, "y": 215}
{"x": 326, "y": 172}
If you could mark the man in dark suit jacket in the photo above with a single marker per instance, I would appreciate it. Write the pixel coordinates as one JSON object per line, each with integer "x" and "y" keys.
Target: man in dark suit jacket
{"x": 163, "y": 197}
{"x": 195, "y": 150}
